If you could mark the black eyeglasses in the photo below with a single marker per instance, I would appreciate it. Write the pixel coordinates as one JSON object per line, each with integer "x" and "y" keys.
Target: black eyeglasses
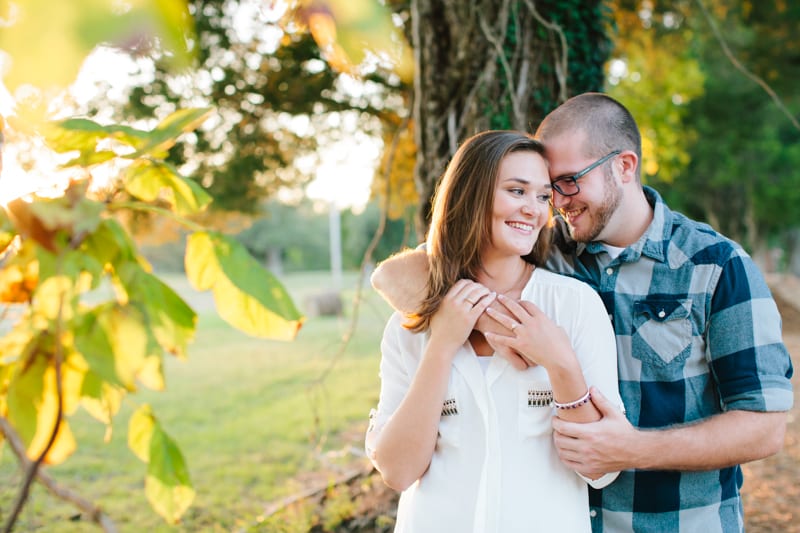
{"x": 568, "y": 185}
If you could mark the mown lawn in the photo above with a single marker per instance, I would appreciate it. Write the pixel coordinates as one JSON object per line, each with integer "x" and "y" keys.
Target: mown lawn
{"x": 250, "y": 415}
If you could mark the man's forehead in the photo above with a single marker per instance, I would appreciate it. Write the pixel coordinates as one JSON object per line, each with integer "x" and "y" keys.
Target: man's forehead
{"x": 564, "y": 149}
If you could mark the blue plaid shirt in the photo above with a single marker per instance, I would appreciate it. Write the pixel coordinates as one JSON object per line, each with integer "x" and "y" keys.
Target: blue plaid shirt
{"x": 698, "y": 333}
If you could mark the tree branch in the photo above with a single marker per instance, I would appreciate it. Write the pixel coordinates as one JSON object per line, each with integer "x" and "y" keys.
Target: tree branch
{"x": 93, "y": 512}
{"x": 741, "y": 68}
{"x": 561, "y": 64}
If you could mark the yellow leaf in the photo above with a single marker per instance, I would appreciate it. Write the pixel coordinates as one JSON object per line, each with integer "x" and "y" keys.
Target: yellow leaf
{"x": 247, "y": 314}
{"x": 33, "y": 411}
{"x": 101, "y": 399}
{"x": 52, "y": 298}
{"x": 167, "y": 486}
{"x": 140, "y": 432}
{"x": 151, "y": 374}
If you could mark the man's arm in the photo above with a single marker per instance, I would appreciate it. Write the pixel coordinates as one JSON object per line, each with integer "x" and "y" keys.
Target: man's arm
{"x": 724, "y": 440}
{"x": 401, "y": 279}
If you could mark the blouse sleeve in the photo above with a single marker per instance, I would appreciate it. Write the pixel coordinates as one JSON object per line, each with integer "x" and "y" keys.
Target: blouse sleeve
{"x": 595, "y": 345}
{"x": 395, "y": 379}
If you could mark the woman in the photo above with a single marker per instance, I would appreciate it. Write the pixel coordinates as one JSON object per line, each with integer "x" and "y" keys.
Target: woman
{"x": 464, "y": 434}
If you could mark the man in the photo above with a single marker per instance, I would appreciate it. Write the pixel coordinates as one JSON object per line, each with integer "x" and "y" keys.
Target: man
{"x": 704, "y": 374}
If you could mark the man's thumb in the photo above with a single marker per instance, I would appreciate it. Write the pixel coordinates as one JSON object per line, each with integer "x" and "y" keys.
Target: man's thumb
{"x": 601, "y": 402}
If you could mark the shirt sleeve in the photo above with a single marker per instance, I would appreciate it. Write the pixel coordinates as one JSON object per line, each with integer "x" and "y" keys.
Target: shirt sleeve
{"x": 748, "y": 358}
{"x": 595, "y": 345}
{"x": 395, "y": 381}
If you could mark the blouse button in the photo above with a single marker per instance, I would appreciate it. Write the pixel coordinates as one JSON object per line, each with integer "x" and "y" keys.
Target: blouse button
{"x": 609, "y": 271}
{"x": 592, "y": 513}
{"x": 661, "y": 314}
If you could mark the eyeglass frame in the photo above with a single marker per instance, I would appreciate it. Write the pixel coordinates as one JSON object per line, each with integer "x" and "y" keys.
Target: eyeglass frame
{"x": 578, "y": 175}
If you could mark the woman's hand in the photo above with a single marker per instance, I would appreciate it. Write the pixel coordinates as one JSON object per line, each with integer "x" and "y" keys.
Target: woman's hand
{"x": 459, "y": 310}
{"x": 535, "y": 337}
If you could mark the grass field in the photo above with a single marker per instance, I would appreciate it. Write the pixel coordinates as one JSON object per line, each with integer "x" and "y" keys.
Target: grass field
{"x": 250, "y": 416}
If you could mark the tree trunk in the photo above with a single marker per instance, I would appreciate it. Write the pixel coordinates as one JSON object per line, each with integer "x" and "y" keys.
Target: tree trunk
{"x": 495, "y": 64}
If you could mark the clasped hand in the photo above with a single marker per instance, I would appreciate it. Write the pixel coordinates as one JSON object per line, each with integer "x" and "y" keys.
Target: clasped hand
{"x": 527, "y": 336}
{"x": 459, "y": 311}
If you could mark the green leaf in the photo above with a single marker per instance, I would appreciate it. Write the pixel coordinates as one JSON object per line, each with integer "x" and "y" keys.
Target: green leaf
{"x": 99, "y": 398}
{"x": 33, "y": 411}
{"x": 90, "y": 158}
{"x": 83, "y": 215}
{"x": 49, "y": 41}
{"x": 164, "y": 136}
{"x": 150, "y": 180}
{"x": 140, "y": 432}
{"x": 113, "y": 340}
{"x": 247, "y": 296}
{"x": 171, "y": 320}
{"x": 167, "y": 486}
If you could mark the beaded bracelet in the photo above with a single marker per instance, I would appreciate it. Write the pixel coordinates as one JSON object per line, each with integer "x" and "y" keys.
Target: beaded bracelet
{"x": 572, "y": 405}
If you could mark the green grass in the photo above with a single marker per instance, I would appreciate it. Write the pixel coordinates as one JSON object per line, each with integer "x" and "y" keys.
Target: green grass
{"x": 248, "y": 414}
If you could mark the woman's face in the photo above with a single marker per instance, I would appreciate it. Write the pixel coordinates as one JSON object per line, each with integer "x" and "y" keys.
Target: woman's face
{"x": 521, "y": 204}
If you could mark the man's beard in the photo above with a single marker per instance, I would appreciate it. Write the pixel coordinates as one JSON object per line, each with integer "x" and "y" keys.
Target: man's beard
{"x": 612, "y": 196}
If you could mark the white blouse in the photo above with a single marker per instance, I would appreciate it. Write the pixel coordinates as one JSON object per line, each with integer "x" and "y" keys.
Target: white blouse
{"x": 495, "y": 468}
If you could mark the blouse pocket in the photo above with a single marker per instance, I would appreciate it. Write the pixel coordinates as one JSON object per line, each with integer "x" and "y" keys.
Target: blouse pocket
{"x": 535, "y": 408}
{"x": 450, "y": 421}
{"x": 662, "y": 333}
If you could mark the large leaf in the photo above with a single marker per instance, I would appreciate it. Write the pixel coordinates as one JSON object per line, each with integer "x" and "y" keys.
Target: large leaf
{"x": 170, "y": 319}
{"x": 167, "y": 486}
{"x": 247, "y": 296}
{"x": 163, "y": 137}
{"x": 110, "y": 244}
{"x": 150, "y": 180}
{"x": 140, "y": 432}
{"x": 33, "y": 410}
{"x": 99, "y": 398}
{"x": 83, "y": 135}
{"x": 114, "y": 341}
{"x": 48, "y": 41}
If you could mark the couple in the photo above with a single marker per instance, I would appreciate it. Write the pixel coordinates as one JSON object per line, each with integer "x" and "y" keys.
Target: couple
{"x": 508, "y": 443}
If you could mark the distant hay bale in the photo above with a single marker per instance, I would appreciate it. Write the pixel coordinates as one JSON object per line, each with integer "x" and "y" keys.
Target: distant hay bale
{"x": 328, "y": 303}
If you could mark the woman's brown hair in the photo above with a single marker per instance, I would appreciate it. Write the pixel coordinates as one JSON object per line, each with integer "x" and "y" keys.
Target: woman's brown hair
{"x": 460, "y": 220}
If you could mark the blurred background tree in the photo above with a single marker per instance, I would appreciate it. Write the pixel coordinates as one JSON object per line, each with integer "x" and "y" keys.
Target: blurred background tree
{"x": 280, "y": 97}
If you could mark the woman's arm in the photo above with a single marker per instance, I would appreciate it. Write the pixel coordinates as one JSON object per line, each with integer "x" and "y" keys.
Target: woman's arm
{"x": 542, "y": 342}
{"x": 404, "y": 447}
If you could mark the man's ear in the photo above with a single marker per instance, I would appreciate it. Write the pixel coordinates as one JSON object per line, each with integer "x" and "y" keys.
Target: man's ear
{"x": 627, "y": 163}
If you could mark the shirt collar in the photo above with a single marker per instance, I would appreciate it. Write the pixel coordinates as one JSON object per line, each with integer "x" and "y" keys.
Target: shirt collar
{"x": 653, "y": 243}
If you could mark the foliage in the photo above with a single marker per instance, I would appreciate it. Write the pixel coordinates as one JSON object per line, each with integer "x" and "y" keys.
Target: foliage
{"x": 489, "y": 64}
{"x": 96, "y": 322}
{"x": 744, "y": 181}
{"x": 154, "y": 26}
{"x": 276, "y": 94}
{"x": 655, "y": 72}
{"x": 240, "y": 409}
{"x": 714, "y": 142}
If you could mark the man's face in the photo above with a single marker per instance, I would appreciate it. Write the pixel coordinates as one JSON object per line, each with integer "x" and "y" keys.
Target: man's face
{"x": 589, "y": 211}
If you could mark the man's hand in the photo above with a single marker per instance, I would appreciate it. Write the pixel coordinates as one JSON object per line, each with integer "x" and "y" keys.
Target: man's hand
{"x": 595, "y": 448}
{"x": 401, "y": 279}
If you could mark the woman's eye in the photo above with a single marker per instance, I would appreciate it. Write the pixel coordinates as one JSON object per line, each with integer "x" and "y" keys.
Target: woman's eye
{"x": 518, "y": 192}
{"x": 545, "y": 198}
